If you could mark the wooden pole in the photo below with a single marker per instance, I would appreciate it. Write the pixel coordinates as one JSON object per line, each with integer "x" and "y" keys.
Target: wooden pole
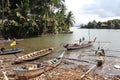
{"x": 78, "y": 60}
{"x": 88, "y": 71}
{"x": 5, "y": 76}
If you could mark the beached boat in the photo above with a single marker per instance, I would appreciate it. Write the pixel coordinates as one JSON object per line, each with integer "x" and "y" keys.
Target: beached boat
{"x": 32, "y": 56}
{"x": 37, "y": 69}
{"x": 83, "y": 44}
{"x": 10, "y": 51}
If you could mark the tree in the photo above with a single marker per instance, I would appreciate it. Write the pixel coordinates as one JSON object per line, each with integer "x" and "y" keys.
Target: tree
{"x": 69, "y": 20}
{"x": 33, "y": 17}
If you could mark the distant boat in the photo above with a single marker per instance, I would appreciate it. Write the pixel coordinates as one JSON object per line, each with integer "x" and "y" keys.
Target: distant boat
{"x": 10, "y": 51}
{"x": 37, "y": 69}
{"x": 83, "y": 44}
{"x": 67, "y": 32}
{"x": 32, "y": 56}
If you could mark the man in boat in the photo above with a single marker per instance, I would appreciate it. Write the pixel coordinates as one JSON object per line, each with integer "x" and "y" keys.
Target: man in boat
{"x": 80, "y": 40}
{"x": 83, "y": 38}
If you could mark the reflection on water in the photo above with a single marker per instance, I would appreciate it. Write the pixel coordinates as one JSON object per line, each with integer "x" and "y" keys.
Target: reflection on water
{"x": 59, "y": 40}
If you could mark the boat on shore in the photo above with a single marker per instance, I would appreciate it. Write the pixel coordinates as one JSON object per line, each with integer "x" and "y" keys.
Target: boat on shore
{"x": 32, "y": 56}
{"x": 82, "y": 44}
{"x": 10, "y": 51}
{"x": 37, "y": 69}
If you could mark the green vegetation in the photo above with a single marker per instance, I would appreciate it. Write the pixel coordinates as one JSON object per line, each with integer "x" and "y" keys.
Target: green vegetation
{"x": 110, "y": 24}
{"x": 29, "y": 18}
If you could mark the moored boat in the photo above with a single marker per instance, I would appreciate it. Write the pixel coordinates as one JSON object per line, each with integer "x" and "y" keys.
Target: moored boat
{"x": 32, "y": 56}
{"x": 10, "y": 51}
{"x": 83, "y": 44}
{"x": 67, "y": 32}
{"x": 37, "y": 69}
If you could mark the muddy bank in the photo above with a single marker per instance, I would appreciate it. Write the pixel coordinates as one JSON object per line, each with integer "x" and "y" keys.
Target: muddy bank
{"x": 67, "y": 70}
{"x": 70, "y": 71}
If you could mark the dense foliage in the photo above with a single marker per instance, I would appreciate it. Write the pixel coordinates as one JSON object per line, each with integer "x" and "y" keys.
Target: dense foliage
{"x": 28, "y": 18}
{"x": 110, "y": 24}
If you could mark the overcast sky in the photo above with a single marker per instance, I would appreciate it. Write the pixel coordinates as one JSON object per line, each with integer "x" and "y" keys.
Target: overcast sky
{"x": 89, "y": 10}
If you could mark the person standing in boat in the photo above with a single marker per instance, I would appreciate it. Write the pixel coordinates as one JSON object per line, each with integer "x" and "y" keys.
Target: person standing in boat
{"x": 83, "y": 38}
{"x": 80, "y": 40}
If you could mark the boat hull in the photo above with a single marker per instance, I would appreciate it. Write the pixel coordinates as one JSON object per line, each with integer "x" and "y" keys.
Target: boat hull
{"x": 11, "y": 51}
{"x": 83, "y": 44}
{"x": 33, "y": 56}
{"x": 28, "y": 74}
{"x": 78, "y": 46}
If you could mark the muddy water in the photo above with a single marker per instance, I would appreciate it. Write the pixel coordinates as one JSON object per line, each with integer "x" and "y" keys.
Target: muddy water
{"x": 109, "y": 40}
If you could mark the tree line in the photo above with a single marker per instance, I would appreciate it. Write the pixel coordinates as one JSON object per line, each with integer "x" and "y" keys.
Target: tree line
{"x": 110, "y": 24}
{"x": 29, "y": 18}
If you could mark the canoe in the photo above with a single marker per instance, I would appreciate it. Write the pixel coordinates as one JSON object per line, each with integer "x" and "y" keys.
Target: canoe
{"x": 32, "y": 56}
{"x": 11, "y": 51}
{"x": 37, "y": 69}
{"x": 83, "y": 44}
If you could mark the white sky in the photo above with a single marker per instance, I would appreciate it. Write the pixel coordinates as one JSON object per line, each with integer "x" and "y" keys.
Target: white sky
{"x": 89, "y": 10}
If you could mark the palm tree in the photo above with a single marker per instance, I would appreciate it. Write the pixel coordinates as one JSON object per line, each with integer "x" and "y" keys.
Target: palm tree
{"x": 69, "y": 20}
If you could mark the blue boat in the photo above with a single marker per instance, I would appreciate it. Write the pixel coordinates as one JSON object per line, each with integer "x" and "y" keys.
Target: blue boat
{"x": 10, "y": 51}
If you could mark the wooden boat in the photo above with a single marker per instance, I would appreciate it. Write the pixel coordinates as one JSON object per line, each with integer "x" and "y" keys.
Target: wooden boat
{"x": 37, "y": 69}
{"x": 33, "y": 55}
{"x": 83, "y": 44}
{"x": 101, "y": 57}
{"x": 67, "y": 32}
{"x": 10, "y": 51}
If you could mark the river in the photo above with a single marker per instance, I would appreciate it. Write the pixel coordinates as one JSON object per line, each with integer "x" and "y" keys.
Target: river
{"x": 108, "y": 38}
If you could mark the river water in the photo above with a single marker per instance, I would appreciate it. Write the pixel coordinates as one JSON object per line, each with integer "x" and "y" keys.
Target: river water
{"x": 109, "y": 39}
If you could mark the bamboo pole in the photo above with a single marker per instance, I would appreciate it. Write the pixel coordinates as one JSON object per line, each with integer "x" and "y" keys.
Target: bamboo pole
{"x": 79, "y": 60}
{"x": 88, "y": 71}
